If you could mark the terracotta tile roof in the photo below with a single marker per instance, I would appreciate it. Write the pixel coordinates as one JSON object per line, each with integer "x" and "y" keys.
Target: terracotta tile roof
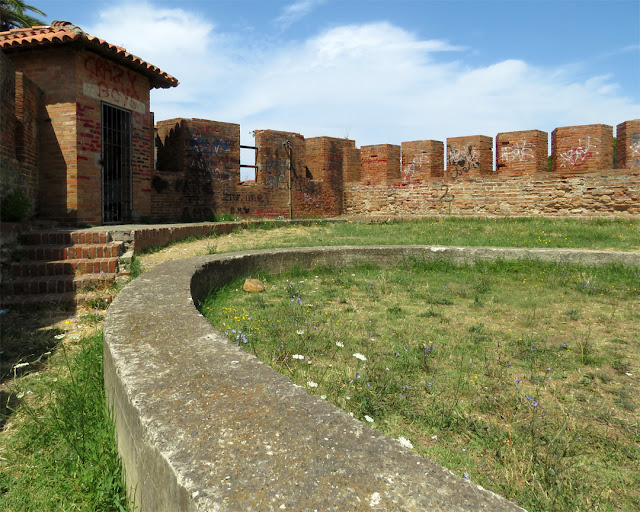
{"x": 63, "y": 32}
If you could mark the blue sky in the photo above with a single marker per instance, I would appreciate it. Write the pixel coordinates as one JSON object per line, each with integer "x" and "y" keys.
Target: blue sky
{"x": 381, "y": 71}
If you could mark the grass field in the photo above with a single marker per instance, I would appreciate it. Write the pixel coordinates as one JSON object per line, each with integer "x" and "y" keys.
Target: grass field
{"x": 521, "y": 376}
{"x": 52, "y": 458}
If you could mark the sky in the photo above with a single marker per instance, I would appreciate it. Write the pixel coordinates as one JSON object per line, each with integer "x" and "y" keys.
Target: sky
{"x": 380, "y": 72}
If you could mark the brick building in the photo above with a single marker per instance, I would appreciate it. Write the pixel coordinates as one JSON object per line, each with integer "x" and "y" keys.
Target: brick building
{"x": 76, "y": 131}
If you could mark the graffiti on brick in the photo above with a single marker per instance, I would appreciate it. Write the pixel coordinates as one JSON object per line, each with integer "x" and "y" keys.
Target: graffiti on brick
{"x": 207, "y": 147}
{"x": 275, "y": 173}
{"x": 635, "y": 148}
{"x": 217, "y": 174}
{"x": 416, "y": 163}
{"x": 517, "y": 151}
{"x": 447, "y": 197}
{"x": 460, "y": 161}
{"x": 578, "y": 156}
{"x": 112, "y": 83}
{"x": 242, "y": 197}
{"x": 240, "y": 210}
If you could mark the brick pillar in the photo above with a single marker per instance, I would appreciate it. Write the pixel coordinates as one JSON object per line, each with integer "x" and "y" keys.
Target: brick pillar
{"x": 472, "y": 154}
{"x": 352, "y": 165}
{"x": 380, "y": 163}
{"x": 8, "y": 108}
{"x": 628, "y": 145}
{"x": 586, "y": 147}
{"x": 327, "y": 161}
{"x": 523, "y": 152}
{"x": 422, "y": 159}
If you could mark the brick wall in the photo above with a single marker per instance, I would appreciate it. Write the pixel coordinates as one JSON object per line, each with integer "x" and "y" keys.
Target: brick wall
{"x": 422, "y": 159}
{"x": 582, "y": 147}
{"x": 472, "y": 154}
{"x": 521, "y": 186}
{"x": 75, "y": 82}
{"x": 198, "y": 169}
{"x": 20, "y": 106}
{"x": 520, "y": 153}
{"x": 628, "y": 146}
{"x": 379, "y": 163}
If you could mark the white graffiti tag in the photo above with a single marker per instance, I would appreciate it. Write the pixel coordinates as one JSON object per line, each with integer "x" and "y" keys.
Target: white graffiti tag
{"x": 578, "y": 156}
{"x": 416, "y": 163}
{"x": 635, "y": 148}
{"x": 517, "y": 151}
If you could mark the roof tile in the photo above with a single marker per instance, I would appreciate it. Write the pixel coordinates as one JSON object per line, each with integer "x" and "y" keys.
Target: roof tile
{"x": 64, "y": 32}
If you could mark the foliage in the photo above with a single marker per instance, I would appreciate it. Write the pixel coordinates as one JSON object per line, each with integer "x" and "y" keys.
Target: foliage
{"x": 15, "y": 206}
{"x": 13, "y": 15}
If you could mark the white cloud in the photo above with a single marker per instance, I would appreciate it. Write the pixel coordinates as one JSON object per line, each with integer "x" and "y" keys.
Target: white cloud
{"x": 376, "y": 81}
{"x": 296, "y": 11}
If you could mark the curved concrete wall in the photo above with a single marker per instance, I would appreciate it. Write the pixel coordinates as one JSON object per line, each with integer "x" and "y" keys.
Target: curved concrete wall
{"x": 203, "y": 425}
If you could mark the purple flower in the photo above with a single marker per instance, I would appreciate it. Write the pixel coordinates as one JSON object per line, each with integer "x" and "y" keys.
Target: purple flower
{"x": 535, "y": 403}
{"x": 466, "y": 476}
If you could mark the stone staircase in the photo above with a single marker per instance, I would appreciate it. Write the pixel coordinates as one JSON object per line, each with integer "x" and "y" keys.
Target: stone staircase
{"x": 61, "y": 267}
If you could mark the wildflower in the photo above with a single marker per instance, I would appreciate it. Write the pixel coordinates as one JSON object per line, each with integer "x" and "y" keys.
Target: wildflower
{"x": 358, "y": 355}
{"x": 338, "y": 343}
{"x": 368, "y": 418}
{"x": 300, "y": 332}
{"x": 59, "y": 336}
{"x": 466, "y": 476}
{"x": 297, "y": 356}
{"x": 312, "y": 384}
{"x": 357, "y": 375}
{"x": 534, "y": 403}
{"x": 405, "y": 442}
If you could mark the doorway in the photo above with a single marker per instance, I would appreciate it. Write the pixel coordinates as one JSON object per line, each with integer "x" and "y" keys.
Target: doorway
{"x": 116, "y": 165}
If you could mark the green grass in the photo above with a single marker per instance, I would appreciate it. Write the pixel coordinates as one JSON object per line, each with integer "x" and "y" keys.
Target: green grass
{"x": 604, "y": 234}
{"x": 59, "y": 454}
{"x": 515, "y": 373}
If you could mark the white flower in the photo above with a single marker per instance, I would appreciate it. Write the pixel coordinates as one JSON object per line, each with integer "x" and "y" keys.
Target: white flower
{"x": 405, "y": 442}
{"x": 59, "y": 336}
{"x": 301, "y": 332}
{"x": 312, "y": 384}
{"x": 368, "y": 418}
{"x": 358, "y": 355}
{"x": 297, "y": 356}
{"x": 339, "y": 344}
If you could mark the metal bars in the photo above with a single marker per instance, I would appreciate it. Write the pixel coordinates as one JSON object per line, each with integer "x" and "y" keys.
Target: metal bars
{"x": 116, "y": 165}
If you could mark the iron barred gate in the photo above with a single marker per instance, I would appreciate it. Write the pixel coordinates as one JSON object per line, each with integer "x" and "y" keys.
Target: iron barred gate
{"x": 116, "y": 165}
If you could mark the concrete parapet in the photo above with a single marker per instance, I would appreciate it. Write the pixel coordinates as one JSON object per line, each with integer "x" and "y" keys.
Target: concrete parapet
{"x": 203, "y": 425}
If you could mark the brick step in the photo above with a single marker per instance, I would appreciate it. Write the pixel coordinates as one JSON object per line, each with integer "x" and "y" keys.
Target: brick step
{"x": 20, "y": 301}
{"x": 69, "y": 252}
{"x": 64, "y": 267}
{"x": 65, "y": 237}
{"x": 55, "y": 284}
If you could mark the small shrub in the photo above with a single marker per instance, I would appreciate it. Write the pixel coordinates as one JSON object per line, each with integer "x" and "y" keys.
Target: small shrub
{"x": 15, "y": 206}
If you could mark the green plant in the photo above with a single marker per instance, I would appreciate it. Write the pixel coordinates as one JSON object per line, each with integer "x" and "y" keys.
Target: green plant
{"x": 64, "y": 457}
{"x": 15, "y": 206}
